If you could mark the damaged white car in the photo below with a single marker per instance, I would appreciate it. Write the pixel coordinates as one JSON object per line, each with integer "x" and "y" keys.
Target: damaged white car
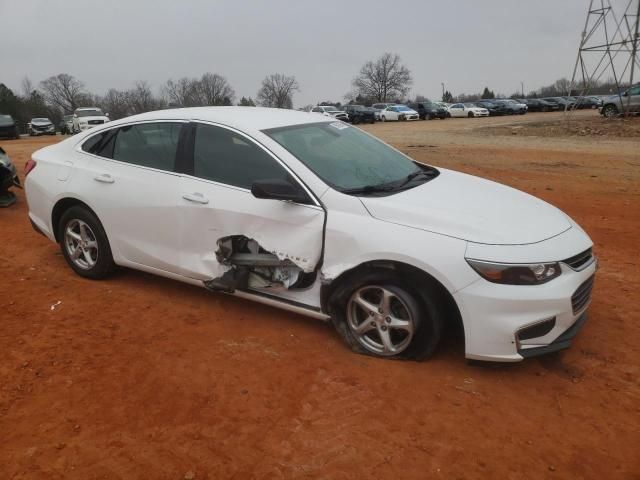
{"x": 318, "y": 217}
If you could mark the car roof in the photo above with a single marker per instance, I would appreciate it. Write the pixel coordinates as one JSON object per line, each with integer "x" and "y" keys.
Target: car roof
{"x": 242, "y": 118}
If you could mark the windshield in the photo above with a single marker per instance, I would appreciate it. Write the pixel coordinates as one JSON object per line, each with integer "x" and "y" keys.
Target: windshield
{"x": 90, "y": 113}
{"x": 41, "y": 120}
{"x": 345, "y": 157}
{"x": 403, "y": 109}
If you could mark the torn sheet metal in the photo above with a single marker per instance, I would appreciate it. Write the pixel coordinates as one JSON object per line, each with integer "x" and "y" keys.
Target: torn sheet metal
{"x": 290, "y": 231}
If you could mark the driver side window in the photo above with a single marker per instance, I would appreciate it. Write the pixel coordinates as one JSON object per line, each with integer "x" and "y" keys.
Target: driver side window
{"x": 224, "y": 156}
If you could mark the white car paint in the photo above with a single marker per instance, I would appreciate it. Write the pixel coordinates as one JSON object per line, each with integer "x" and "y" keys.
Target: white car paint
{"x": 169, "y": 223}
{"x": 398, "y": 112}
{"x": 467, "y": 110}
{"x": 88, "y": 117}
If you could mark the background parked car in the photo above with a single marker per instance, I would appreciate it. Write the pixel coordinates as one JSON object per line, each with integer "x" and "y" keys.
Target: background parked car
{"x": 617, "y": 104}
{"x": 538, "y": 105}
{"x": 399, "y": 112}
{"x": 66, "y": 125}
{"x": 467, "y": 110}
{"x": 511, "y": 107}
{"x": 331, "y": 111}
{"x": 378, "y": 107}
{"x": 88, "y": 117}
{"x": 563, "y": 103}
{"x": 360, "y": 114}
{"x": 429, "y": 110}
{"x": 41, "y": 126}
{"x": 8, "y": 178}
{"x": 494, "y": 109}
{"x": 8, "y": 127}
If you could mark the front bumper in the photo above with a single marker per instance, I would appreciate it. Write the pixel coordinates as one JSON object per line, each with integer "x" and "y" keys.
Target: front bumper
{"x": 46, "y": 131}
{"x": 493, "y": 314}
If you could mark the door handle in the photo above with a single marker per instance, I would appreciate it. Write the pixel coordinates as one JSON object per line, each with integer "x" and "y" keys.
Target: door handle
{"x": 196, "y": 198}
{"x": 104, "y": 178}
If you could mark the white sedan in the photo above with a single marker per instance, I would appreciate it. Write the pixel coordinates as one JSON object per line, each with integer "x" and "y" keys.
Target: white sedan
{"x": 398, "y": 112}
{"x": 467, "y": 110}
{"x": 316, "y": 216}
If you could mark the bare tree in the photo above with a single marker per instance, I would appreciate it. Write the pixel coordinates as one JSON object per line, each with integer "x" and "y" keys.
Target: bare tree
{"x": 181, "y": 93}
{"x": 277, "y": 91}
{"x": 115, "y": 102}
{"x": 384, "y": 79}
{"x": 213, "y": 89}
{"x": 64, "y": 91}
{"x": 27, "y": 87}
{"x": 140, "y": 98}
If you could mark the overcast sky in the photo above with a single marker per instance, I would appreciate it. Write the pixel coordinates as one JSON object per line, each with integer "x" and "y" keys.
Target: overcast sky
{"x": 467, "y": 44}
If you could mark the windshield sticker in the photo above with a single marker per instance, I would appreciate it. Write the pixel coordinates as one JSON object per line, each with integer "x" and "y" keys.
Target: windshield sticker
{"x": 339, "y": 125}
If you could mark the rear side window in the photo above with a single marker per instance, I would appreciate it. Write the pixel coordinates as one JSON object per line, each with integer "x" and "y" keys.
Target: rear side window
{"x": 151, "y": 145}
{"x": 226, "y": 157}
{"x": 100, "y": 144}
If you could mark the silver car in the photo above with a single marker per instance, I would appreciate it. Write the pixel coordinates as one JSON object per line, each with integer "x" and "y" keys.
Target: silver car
{"x": 628, "y": 101}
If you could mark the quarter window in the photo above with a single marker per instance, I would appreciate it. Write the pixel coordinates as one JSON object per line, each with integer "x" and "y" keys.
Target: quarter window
{"x": 151, "y": 145}
{"x": 224, "y": 156}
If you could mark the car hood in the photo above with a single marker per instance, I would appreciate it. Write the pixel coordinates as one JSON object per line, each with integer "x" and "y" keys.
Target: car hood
{"x": 409, "y": 112}
{"x": 7, "y": 123}
{"x": 471, "y": 208}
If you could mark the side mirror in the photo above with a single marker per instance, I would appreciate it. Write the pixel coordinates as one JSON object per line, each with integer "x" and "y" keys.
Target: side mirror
{"x": 276, "y": 189}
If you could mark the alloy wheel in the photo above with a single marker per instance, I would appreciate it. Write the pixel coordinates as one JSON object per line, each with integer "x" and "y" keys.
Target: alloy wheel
{"x": 81, "y": 244}
{"x": 380, "y": 320}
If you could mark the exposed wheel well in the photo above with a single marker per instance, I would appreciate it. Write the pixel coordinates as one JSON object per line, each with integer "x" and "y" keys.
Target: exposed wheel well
{"x": 335, "y": 292}
{"x": 62, "y": 206}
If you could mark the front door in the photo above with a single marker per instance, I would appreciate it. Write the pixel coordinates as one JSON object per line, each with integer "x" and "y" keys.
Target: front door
{"x": 215, "y": 202}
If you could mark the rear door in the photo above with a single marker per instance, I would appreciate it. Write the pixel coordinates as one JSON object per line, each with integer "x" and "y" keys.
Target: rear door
{"x": 133, "y": 187}
{"x": 215, "y": 202}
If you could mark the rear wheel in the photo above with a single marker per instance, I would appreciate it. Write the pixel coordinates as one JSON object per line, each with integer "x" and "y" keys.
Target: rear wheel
{"x": 84, "y": 243}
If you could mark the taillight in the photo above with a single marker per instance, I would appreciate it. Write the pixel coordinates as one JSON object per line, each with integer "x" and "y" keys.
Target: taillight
{"x": 30, "y": 165}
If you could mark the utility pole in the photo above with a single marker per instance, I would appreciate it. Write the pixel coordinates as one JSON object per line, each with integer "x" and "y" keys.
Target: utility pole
{"x": 522, "y": 87}
{"x": 634, "y": 51}
{"x": 442, "y": 91}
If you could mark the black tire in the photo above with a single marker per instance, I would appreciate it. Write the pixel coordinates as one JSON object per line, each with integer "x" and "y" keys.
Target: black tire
{"x": 104, "y": 264}
{"x": 610, "y": 110}
{"x": 471, "y": 115}
{"x": 356, "y": 120}
{"x": 373, "y": 120}
{"x": 425, "y": 309}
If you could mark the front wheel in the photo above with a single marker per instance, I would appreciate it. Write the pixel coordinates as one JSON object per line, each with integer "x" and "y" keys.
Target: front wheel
{"x": 384, "y": 316}
{"x": 84, "y": 243}
{"x": 471, "y": 115}
{"x": 384, "y": 119}
{"x": 610, "y": 111}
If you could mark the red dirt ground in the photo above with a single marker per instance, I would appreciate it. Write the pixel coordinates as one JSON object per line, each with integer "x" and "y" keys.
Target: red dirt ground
{"x": 143, "y": 377}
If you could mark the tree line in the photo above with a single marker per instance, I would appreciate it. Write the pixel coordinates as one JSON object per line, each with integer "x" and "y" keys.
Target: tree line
{"x": 385, "y": 79}
{"x": 61, "y": 94}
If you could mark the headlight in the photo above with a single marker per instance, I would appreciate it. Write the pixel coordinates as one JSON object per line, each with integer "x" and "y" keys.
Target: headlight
{"x": 516, "y": 274}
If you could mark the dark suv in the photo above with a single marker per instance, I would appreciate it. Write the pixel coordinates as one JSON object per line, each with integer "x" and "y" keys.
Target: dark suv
{"x": 360, "y": 114}
{"x": 429, "y": 110}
